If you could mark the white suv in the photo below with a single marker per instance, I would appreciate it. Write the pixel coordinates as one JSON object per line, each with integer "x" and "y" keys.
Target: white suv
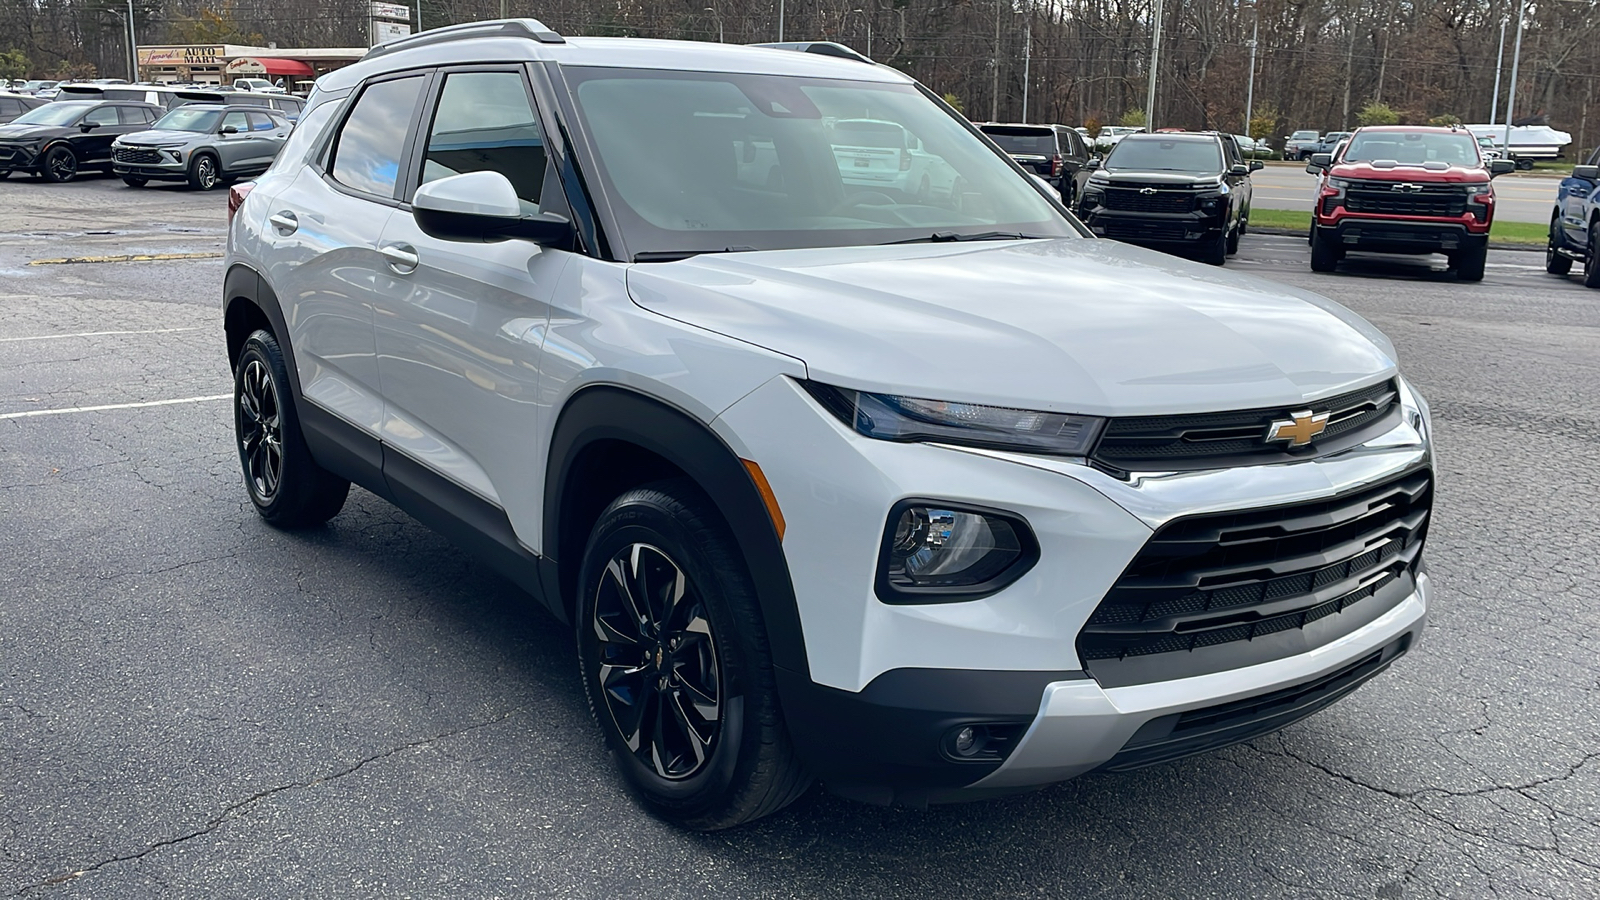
{"x": 923, "y": 497}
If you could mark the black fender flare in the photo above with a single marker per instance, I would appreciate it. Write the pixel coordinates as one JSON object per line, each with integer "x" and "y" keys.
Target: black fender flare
{"x": 611, "y": 413}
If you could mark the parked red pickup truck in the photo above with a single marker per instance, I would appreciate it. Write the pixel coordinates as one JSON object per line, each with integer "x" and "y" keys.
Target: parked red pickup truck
{"x": 1405, "y": 189}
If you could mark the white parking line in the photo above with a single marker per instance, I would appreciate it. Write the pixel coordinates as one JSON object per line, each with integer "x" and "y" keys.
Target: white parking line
{"x": 84, "y": 334}
{"x": 82, "y": 409}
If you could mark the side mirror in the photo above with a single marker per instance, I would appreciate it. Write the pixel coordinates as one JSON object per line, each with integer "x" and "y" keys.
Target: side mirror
{"x": 1257, "y": 165}
{"x": 1319, "y": 163}
{"x": 482, "y": 206}
{"x": 1498, "y": 167}
{"x": 230, "y": 129}
{"x": 1587, "y": 173}
{"x": 1238, "y": 169}
{"x": 88, "y": 126}
{"x": 1092, "y": 164}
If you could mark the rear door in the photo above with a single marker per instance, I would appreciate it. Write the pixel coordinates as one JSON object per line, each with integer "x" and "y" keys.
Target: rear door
{"x": 323, "y": 231}
{"x": 96, "y": 130}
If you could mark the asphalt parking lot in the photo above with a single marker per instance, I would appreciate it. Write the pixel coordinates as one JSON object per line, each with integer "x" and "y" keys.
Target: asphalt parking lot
{"x": 195, "y": 705}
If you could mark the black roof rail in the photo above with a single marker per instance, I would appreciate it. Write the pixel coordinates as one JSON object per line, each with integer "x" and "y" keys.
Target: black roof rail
{"x": 823, "y": 48}
{"x": 532, "y": 28}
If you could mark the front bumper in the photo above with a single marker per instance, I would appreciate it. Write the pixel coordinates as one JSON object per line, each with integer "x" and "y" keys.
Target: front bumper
{"x": 164, "y": 172}
{"x": 1155, "y": 229}
{"x": 18, "y": 157}
{"x": 1402, "y": 236}
{"x": 888, "y": 684}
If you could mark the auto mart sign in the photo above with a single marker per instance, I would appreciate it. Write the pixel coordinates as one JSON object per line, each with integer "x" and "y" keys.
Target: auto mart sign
{"x": 181, "y": 56}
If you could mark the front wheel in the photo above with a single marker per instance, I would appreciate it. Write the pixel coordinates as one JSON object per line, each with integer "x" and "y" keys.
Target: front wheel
{"x": 1591, "y": 257}
{"x": 1555, "y": 262}
{"x": 203, "y": 172}
{"x": 60, "y": 165}
{"x": 674, "y": 659}
{"x": 134, "y": 181}
{"x": 286, "y": 485}
{"x": 1470, "y": 263}
{"x": 1215, "y": 251}
{"x": 1324, "y": 255}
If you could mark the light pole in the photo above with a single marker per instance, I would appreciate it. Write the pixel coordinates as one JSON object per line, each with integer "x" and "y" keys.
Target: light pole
{"x": 1155, "y": 63}
{"x": 994, "y": 68}
{"x": 1499, "y": 63}
{"x": 1516, "y": 58}
{"x": 868, "y": 19}
{"x": 1027, "y": 58}
{"x": 718, "y": 15}
{"x": 780, "y": 21}
{"x": 127, "y": 32}
{"x": 1250, "y": 92}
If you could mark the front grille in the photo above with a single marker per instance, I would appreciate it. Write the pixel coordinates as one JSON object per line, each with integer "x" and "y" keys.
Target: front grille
{"x": 1161, "y": 201}
{"x": 1285, "y": 580}
{"x": 1144, "y": 231}
{"x": 135, "y": 155}
{"x": 1210, "y": 728}
{"x": 1425, "y": 200}
{"x": 1215, "y": 440}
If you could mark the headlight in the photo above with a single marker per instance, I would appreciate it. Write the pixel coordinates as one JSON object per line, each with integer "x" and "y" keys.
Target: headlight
{"x": 889, "y": 417}
{"x": 1210, "y": 201}
{"x": 1474, "y": 190}
{"x": 937, "y": 553}
{"x": 1339, "y": 183}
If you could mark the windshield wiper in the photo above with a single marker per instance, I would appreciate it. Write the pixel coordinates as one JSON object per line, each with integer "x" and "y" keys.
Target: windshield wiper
{"x": 948, "y": 237}
{"x": 675, "y": 255}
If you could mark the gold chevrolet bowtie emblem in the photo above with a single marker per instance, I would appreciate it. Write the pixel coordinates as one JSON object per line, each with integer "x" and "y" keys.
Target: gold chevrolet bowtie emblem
{"x": 1299, "y": 428}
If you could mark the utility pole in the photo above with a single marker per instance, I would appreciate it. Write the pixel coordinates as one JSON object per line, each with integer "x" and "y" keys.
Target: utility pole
{"x": 994, "y": 67}
{"x": 502, "y": 9}
{"x": 1499, "y": 63}
{"x": 1250, "y": 92}
{"x": 1516, "y": 58}
{"x": 133, "y": 48}
{"x": 1027, "y": 58}
{"x": 1155, "y": 64}
{"x": 780, "y": 20}
{"x": 718, "y": 15}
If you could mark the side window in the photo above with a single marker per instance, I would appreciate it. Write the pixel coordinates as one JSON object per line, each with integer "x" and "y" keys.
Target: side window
{"x": 1595, "y": 159}
{"x": 237, "y": 121}
{"x": 131, "y": 115}
{"x": 485, "y": 122}
{"x": 10, "y": 107}
{"x": 366, "y": 153}
{"x": 101, "y": 115}
{"x": 260, "y": 122}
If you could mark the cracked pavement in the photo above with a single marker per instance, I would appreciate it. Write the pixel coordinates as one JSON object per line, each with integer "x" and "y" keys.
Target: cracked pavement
{"x": 195, "y": 705}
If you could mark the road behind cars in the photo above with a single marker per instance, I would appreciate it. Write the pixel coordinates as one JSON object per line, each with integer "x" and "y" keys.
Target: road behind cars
{"x": 194, "y": 705}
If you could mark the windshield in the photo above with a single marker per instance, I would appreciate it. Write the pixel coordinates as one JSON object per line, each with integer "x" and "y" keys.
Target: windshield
{"x": 53, "y": 114}
{"x": 1413, "y": 149}
{"x": 1303, "y": 136}
{"x": 1155, "y": 154}
{"x": 699, "y": 162}
{"x": 182, "y": 119}
{"x": 1024, "y": 141}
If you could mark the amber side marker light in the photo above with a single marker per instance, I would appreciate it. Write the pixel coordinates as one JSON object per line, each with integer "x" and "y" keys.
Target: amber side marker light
{"x": 767, "y": 497}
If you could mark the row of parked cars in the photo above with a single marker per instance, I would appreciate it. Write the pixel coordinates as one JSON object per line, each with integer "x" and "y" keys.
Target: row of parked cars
{"x": 145, "y": 133}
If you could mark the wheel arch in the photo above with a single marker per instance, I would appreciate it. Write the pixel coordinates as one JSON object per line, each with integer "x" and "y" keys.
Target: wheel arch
{"x": 249, "y": 303}
{"x": 610, "y": 439}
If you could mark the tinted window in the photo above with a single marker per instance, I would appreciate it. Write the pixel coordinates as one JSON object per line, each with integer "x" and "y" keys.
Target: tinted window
{"x": 260, "y": 122}
{"x": 484, "y": 122}
{"x": 104, "y": 115}
{"x": 132, "y": 115}
{"x": 1156, "y": 154}
{"x": 1024, "y": 141}
{"x": 366, "y": 154}
{"x": 10, "y": 107}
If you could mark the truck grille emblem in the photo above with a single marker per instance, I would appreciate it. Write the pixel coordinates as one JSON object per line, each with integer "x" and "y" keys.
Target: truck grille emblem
{"x": 1299, "y": 428}
{"x": 1406, "y": 187}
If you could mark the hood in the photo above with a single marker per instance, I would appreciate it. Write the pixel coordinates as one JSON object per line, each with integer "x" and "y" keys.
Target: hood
{"x": 1071, "y": 325}
{"x": 15, "y": 132}
{"x": 1384, "y": 171}
{"x": 1145, "y": 176}
{"x": 159, "y": 138}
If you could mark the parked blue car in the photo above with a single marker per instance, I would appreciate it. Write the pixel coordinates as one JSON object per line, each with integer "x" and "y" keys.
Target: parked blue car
{"x": 1575, "y": 224}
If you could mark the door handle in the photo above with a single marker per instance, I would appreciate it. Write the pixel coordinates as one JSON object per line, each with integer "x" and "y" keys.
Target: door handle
{"x": 401, "y": 257}
{"x": 284, "y": 221}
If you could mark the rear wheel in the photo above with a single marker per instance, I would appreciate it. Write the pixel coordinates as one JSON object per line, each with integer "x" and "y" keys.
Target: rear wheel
{"x": 674, "y": 661}
{"x": 1470, "y": 263}
{"x": 1324, "y": 255}
{"x": 287, "y": 486}
{"x": 1591, "y": 257}
{"x": 1555, "y": 262}
{"x": 60, "y": 164}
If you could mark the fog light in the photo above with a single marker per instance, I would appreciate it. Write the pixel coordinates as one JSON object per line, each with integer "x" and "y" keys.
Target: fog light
{"x": 932, "y": 547}
{"x": 966, "y": 743}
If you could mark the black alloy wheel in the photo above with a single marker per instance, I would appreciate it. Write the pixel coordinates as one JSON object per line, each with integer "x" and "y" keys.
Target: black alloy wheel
{"x": 1556, "y": 262}
{"x": 286, "y": 485}
{"x": 673, "y": 654}
{"x": 658, "y": 662}
{"x": 1591, "y": 257}
{"x": 60, "y": 164}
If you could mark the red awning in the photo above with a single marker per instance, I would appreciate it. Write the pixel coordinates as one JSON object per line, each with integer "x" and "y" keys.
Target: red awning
{"x": 285, "y": 67}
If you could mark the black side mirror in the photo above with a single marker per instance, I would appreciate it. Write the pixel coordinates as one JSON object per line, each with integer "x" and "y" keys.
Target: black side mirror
{"x": 230, "y": 129}
{"x": 1238, "y": 169}
{"x": 1498, "y": 167}
{"x": 1257, "y": 165}
{"x": 1320, "y": 162}
{"x": 1092, "y": 164}
{"x": 87, "y": 127}
{"x": 1587, "y": 173}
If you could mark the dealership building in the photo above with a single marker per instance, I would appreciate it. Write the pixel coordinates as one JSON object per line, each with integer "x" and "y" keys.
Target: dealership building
{"x": 221, "y": 63}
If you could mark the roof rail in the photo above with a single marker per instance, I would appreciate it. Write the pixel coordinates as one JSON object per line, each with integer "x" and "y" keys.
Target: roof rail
{"x": 532, "y": 28}
{"x": 823, "y": 48}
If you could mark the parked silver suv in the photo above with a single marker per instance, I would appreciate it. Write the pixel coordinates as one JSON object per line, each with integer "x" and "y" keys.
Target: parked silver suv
{"x": 203, "y": 144}
{"x": 924, "y": 495}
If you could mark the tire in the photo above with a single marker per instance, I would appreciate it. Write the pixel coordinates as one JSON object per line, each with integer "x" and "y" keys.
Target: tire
{"x": 1554, "y": 262}
{"x": 1234, "y": 235}
{"x": 134, "y": 181}
{"x": 705, "y": 651}
{"x": 1591, "y": 257}
{"x": 1215, "y": 251}
{"x": 286, "y": 485}
{"x": 203, "y": 175}
{"x": 60, "y": 164}
{"x": 1469, "y": 263}
{"x": 1324, "y": 255}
